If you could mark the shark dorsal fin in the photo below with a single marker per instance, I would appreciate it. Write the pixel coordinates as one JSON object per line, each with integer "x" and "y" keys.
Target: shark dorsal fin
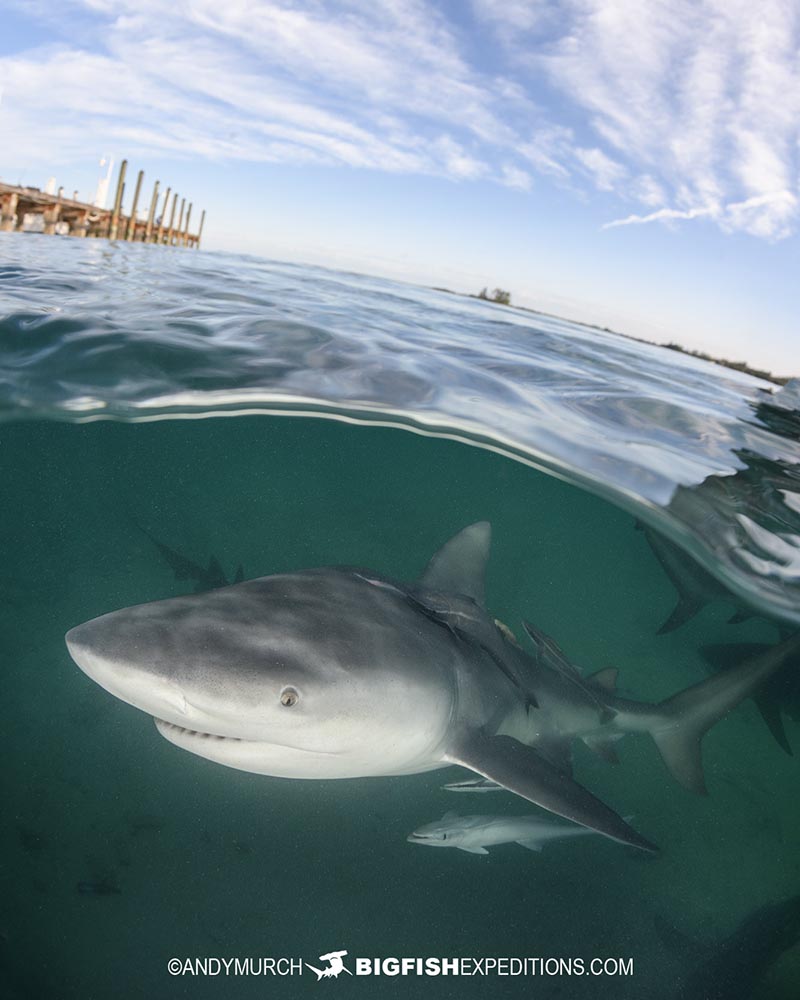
{"x": 448, "y": 816}
{"x": 459, "y": 567}
{"x": 605, "y": 678}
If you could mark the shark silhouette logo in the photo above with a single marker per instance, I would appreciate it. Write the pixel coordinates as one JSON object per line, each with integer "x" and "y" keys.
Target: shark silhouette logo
{"x": 335, "y": 965}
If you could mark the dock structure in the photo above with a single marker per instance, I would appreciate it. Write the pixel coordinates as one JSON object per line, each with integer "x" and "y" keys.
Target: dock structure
{"x": 30, "y": 209}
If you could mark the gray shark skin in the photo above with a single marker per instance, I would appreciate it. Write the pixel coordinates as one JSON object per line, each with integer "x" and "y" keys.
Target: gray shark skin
{"x": 344, "y": 673}
{"x": 474, "y": 834}
{"x": 733, "y": 968}
{"x": 695, "y": 586}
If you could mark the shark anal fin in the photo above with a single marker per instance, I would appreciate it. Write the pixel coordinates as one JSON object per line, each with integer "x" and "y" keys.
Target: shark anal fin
{"x": 531, "y": 845}
{"x": 520, "y": 769}
{"x": 473, "y": 850}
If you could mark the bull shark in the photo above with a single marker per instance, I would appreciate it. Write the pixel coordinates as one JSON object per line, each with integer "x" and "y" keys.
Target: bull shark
{"x": 696, "y": 587}
{"x": 210, "y": 578}
{"x": 340, "y": 672}
{"x": 733, "y": 968}
{"x": 474, "y": 834}
{"x": 779, "y": 694}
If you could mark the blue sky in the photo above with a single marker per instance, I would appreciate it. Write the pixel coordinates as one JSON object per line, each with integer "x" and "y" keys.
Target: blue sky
{"x": 630, "y": 163}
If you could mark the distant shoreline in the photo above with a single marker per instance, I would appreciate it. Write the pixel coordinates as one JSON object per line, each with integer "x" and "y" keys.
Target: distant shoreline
{"x": 739, "y": 366}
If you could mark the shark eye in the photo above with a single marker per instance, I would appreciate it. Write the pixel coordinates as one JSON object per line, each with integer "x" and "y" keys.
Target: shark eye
{"x": 289, "y": 697}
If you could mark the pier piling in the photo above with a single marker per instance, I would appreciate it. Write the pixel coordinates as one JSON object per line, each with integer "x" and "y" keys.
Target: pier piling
{"x": 172, "y": 219}
{"x": 148, "y": 230}
{"x": 112, "y": 232}
{"x": 131, "y": 233}
{"x": 50, "y": 212}
{"x": 163, "y": 219}
{"x": 185, "y": 240}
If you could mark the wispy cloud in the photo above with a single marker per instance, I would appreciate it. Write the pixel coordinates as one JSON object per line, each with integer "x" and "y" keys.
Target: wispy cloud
{"x": 662, "y": 215}
{"x": 668, "y": 111}
{"x": 701, "y": 98}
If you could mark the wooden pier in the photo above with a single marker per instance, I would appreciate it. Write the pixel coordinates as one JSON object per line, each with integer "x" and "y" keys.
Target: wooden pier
{"x": 71, "y": 217}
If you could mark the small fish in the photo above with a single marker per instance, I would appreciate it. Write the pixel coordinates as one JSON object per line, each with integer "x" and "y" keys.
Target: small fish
{"x": 473, "y": 785}
{"x": 103, "y": 887}
{"x": 474, "y": 834}
{"x": 144, "y": 824}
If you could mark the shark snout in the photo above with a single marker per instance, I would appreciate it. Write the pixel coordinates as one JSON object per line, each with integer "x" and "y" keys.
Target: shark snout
{"x": 90, "y": 647}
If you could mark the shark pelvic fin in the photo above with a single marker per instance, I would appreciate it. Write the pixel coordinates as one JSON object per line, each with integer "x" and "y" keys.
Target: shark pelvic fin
{"x": 606, "y": 678}
{"x": 603, "y": 746}
{"x": 459, "y": 567}
{"x": 520, "y": 769}
{"x": 684, "y": 719}
{"x": 531, "y": 845}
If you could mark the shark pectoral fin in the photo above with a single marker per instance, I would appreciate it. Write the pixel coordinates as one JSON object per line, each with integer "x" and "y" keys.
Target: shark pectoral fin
{"x": 686, "y": 608}
{"x": 474, "y": 850}
{"x": 603, "y": 746}
{"x": 531, "y": 845}
{"x": 459, "y": 567}
{"x": 522, "y": 770}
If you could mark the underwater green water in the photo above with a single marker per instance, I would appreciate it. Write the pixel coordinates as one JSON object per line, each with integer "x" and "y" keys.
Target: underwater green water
{"x": 210, "y": 861}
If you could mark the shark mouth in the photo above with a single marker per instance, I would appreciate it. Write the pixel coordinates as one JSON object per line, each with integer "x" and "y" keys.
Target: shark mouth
{"x": 180, "y": 731}
{"x": 180, "y": 735}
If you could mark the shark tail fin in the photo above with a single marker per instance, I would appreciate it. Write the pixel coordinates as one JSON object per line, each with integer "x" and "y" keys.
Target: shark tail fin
{"x": 770, "y": 710}
{"x": 681, "y": 722}
{"x": 686, "y": 608}
{"x": 721, "y": 656}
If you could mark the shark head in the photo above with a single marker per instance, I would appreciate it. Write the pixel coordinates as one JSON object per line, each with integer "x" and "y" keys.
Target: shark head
{"x": 314, "y": 674}
{"x": 446, "y": 832}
